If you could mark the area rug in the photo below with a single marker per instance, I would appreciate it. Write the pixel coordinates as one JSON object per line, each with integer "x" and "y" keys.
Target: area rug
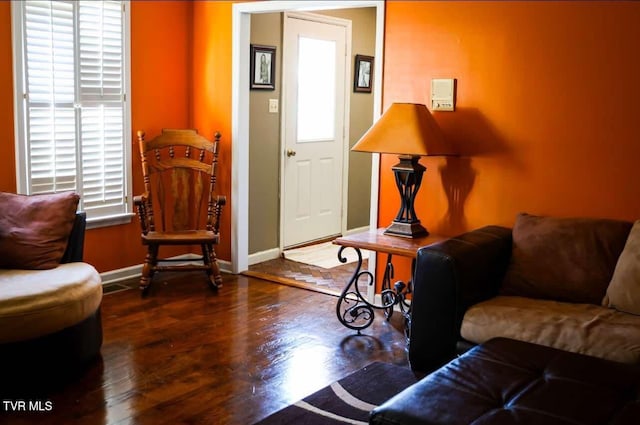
{"x": 349, "y": 400}
{"x": 323, "y": 255}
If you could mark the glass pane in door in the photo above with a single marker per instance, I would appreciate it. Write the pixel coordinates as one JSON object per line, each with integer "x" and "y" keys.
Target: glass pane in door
{"x": 316, "y": 89}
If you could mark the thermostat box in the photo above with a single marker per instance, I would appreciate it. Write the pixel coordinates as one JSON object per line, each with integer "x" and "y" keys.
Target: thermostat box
{"x": 443, "y": 94}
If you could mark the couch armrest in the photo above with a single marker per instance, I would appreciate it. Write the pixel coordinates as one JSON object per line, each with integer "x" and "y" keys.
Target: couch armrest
{"x": 449, "y": 277}
{"x": 75, "y": 246}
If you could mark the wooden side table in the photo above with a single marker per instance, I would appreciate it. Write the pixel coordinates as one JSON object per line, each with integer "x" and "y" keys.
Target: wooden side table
{"x": 353, "y": 309}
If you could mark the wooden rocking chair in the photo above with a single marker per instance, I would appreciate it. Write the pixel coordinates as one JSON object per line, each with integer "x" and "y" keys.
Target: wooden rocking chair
{"x": 179, "y": 169}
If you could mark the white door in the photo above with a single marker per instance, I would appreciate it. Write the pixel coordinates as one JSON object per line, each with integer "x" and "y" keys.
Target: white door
{"x": 314, "y": 141}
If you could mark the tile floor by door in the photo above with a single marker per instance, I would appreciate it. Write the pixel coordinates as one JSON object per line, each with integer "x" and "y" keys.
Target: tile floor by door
{"x": 329, "y": 281}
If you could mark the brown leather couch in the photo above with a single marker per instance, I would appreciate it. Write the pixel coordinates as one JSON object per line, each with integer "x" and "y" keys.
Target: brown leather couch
{"x": 546, "y": 281}
{"x": 551, "y": 287}
{"x": 510, "y": 382}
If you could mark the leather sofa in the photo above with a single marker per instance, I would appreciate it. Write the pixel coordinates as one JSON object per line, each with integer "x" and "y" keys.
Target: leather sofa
{"x": 50, "y": 321}
{"x": 546, "y": 281}
{"x": 504, "y": 381}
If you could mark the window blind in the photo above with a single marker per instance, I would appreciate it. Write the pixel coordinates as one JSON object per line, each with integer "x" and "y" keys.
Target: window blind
{"x": 75, "y": 111}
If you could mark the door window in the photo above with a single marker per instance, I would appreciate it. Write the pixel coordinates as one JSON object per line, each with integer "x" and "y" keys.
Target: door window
{"x": 316, "y": 89}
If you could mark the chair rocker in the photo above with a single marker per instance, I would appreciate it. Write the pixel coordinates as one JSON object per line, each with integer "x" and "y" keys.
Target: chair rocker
{"x": 179, "y": 170}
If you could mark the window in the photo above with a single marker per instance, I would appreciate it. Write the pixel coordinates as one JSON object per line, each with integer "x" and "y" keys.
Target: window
{"x": 72, "y": 111}
{"x": 316, "y": 89}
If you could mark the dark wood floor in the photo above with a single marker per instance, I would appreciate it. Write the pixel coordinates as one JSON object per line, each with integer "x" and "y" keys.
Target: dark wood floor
{"x": 187, "y": 355}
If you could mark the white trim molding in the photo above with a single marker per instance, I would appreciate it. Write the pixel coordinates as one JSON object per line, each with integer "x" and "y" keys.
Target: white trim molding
{"x": 262, "y": 256}
{"x": 131, "y": 272}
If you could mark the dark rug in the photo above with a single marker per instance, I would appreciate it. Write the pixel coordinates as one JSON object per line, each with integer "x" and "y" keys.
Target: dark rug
{"x": 349, "y": 400}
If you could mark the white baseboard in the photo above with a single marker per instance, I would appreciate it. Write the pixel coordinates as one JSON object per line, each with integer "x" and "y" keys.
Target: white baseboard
{"x": 225, "y": 266}
{"x": 118, "y": 275}
{"x": 262, "y": 256}
{"x": 356, "y": 230}
{"x": 134, "y": 271}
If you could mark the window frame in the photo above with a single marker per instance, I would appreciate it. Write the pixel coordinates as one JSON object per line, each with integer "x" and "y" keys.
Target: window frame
{"x": 20, "y": 115}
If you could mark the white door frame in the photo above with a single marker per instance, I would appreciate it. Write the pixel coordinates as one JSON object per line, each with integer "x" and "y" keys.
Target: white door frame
{"x": 324, "y": 19}
{"x": 241, "y": 28}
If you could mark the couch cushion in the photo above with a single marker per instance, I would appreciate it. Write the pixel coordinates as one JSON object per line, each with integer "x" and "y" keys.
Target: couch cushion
{"x": 623, "y": 292}
{"x": 511, "y": 382}
{"x": 39, "y": 302}
{"x": 564, "y": 259}
{"x": 580, "y": 328}
{"x": 34, "y": 230}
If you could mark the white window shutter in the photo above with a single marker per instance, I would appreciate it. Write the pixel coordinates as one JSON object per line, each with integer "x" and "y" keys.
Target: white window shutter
{"x": 102, "y": 152}
{"x": 50, "y": 82}
{"x": 101, "y": 79}
{"x": 75, "y": 113}
{"x": 101, "y": 52}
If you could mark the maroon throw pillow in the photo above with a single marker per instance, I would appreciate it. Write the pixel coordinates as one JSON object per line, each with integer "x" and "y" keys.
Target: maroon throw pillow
{"x": 34, "y": 230}
{"x": 564, "y": 259}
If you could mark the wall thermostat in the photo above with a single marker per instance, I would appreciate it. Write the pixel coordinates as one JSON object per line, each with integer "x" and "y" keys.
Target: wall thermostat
{"x": 443, "y": 93}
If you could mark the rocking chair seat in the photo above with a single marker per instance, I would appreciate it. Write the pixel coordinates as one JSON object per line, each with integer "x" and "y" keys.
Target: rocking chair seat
{"x": 195, "y": 237}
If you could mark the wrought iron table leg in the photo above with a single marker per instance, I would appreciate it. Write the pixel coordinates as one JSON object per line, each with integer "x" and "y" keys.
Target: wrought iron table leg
{"x": 405, "y": 306}
{"x": 387, "y": 294}
{"x": 353, "y": 309}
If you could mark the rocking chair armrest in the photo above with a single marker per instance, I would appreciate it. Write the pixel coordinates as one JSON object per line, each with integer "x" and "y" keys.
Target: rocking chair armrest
{"x": 219, "y": 202}
{"x": 139, "y": 199}
{"x": 140, "y": 202}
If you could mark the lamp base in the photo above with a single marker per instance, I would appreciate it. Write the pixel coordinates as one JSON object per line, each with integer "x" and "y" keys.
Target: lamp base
{"x": 408, "y": 174}
{"x": 406, "y": 230}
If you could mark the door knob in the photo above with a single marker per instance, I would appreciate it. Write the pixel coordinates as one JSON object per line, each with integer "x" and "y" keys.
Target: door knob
{"x": 291, "y": 152}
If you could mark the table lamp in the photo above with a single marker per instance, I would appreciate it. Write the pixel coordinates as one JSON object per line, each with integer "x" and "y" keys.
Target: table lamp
{"x": 410, "y": 131}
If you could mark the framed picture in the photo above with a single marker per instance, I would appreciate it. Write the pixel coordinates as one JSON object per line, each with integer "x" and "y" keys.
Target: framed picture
{"x": 263, "y": 67}
{"x": 363, "y": 75}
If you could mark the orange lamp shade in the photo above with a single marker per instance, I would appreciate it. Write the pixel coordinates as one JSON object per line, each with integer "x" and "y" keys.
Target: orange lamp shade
{"x": 405, "y": 129}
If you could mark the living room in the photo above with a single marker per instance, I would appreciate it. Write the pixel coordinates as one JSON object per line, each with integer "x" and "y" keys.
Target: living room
{"x": 542, "y": 88}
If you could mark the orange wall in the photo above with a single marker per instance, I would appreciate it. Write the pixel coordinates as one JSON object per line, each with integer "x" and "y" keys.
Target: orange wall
{"x": 7, "y": 150}
{"x": 211, "y": 102}
{"x": 160, "y": 97}
{"x": 547, "y": 108}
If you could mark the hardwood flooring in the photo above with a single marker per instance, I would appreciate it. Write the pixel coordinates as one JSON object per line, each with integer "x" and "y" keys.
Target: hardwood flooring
{"x": 186, "y": 354}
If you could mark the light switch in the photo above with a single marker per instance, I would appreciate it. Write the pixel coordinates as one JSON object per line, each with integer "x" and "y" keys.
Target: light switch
{"x": 443, "y": 94}
{"x": 273, "y": 106}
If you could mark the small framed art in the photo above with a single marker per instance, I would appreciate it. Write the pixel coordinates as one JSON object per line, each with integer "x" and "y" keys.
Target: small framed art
{"x": 363, "y": 75}
{"x": 263, "y": 67}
